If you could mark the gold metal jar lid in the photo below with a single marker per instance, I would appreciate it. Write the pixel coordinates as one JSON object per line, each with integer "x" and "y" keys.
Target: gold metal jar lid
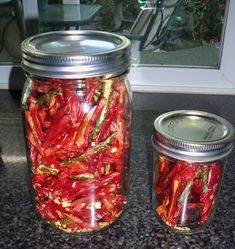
{"x": 75, "y": 54}
{"x": 193, "y": 135}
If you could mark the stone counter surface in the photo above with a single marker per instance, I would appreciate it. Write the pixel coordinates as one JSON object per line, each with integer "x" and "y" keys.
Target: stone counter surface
{"x": 138, "y": 228}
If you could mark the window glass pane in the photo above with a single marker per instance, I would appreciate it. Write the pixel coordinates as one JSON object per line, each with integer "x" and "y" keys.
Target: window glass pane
{"x": 187, "y": 33}
{"x": 12, "y": 31}
{"x": 164, "y": 32}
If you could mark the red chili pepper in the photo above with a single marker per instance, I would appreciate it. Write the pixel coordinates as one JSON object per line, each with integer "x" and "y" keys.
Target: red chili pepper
{"x": 75, "y": 172}
{"x": 74, "y": 169}
{"x": 90, "y": 215}
{"x": 177, "y": 168}
{"x": 80, "y": 137}
{"x": 208, "y": 197}
{"x": 198, "y": 187}
{"x": 55, "y": 103}
{"x": 49, "y": 161}
{"x": 83, "y": 187}
{"x": 84, "y": 131}
{"x": 33, "y": 121}
{"x": 188, "y": 189}
{"x": 47, "y": 122}
{"x": 113, "y": 203}
{"x": 34, "y": 143}
{"x": 99, "y": 107}
{"x": 72, "y": 102}
{"x": 121, "y": 90}
{"x": 105, "y": 129}
{"x": 83, "y": 224}
{"x": 111, "y": 114}
{"x": 86, "y": 105}
{"x": 176, "y": 189}
{"x": 55, "y": 130}
{"x": 194, "y": 205}
{"x": 47, "y": 98}
{"x": 42, "y": 113}
{"x": 84, "y": 201}
{"x": 33, "y": 155}
{"x": 164, "y": 164}
{"x": 52, "y": 107}
{"x": 162, "y": 207}
{"x": 101, "y": 147}
{"x": 66, "y": 142}
{"x": 40, "y": 86}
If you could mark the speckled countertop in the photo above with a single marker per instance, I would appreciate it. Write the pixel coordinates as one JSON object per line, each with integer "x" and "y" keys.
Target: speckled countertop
{"x": 138, "y": 227}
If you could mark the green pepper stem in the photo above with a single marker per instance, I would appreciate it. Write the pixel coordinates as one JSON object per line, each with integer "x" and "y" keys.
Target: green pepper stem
{"x": 106, "y": 94}
{"x": 47, "y": 96}
{"x": 185, "y": 192}
{"x": 96, "y": 149}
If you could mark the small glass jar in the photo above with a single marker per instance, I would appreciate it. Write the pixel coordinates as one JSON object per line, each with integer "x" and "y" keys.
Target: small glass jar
{"x": 76, "y": 111}
{"x": 191, "y": 151}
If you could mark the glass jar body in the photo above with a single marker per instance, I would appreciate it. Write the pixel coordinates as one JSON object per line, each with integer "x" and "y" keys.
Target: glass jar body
{"x": 78, "y": 135}
{"x": 185, "y": 192}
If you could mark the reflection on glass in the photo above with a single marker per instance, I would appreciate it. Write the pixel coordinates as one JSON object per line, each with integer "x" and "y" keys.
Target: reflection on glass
{"x": 179, "y": 33}
{"x": 12, "y": 31}
{"x": 163, "y": 32}
{"x": 1, "y": 160}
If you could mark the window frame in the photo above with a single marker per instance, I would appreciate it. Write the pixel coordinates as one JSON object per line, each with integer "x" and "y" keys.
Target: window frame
{"x": 149, "y": 78}
{"x": 146, "y": 78}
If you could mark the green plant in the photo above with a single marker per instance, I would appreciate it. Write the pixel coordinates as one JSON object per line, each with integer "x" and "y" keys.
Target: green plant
{"x": 206, "y": 19}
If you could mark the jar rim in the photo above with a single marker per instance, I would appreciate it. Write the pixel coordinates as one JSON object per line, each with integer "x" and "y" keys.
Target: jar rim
{"x": 193, "y": 135}
{"x": 75, "y": 54}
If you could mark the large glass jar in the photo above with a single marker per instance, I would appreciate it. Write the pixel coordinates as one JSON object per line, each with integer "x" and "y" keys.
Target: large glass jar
{"x": 76, "y": 110}
{"x": 191, "y": 151}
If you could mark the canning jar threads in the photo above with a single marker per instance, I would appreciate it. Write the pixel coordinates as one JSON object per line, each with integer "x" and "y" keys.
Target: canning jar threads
{"x": 191, "y": 151}
{"x": 77, "y": 109}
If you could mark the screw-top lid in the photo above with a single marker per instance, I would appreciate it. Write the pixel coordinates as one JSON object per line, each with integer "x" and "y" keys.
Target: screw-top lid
{"x": 193, "y": 135}
{"x": 75, "y": 54}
